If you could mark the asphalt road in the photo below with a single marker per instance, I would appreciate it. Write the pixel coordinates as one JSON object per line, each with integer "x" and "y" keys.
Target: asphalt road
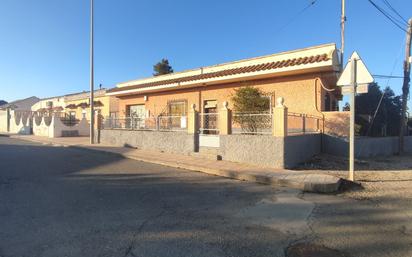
{"x": 58, "y": 201}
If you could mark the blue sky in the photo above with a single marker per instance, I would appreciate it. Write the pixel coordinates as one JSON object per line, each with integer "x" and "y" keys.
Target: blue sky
{"x": 44, "y": 44}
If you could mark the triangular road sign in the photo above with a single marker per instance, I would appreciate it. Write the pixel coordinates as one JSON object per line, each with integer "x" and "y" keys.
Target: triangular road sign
{"x": 362, "y": 74}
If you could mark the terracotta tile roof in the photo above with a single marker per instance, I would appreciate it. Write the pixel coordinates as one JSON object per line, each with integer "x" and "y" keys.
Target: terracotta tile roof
{"x": 234, "y": 71}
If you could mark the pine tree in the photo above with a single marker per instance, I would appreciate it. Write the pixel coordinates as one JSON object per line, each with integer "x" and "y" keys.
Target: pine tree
{"x": 162, "y": 67}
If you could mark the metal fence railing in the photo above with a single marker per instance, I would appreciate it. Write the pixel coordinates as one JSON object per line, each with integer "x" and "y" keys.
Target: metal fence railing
{"x": 209, "y": 123}
{"x": 252, "y": 123}
{"x": 172, "y": 123}
{"x": 299, "y": 123}
{"x": 160, "y": 123}
{"x": 69, "y": 121}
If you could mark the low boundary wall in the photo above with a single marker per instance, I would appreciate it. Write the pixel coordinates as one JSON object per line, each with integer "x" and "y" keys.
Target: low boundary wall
{"x": 20, "y": 123}
{"x": 4, "y": 120}
{"x": 365, "y": 147}
{"x": 54, "y": 127}
{"x": 262, "y": 150}
{"x": 172, "y": 142}
{"x": 301, "y": 148}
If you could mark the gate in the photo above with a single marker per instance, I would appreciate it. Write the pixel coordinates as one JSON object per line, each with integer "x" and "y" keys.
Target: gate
{"x": 209, "y": 129}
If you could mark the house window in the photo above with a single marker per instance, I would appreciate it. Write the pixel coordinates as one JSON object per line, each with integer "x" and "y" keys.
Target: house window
{"x": 177, "y": 108}
{"x": 138, "y": 110}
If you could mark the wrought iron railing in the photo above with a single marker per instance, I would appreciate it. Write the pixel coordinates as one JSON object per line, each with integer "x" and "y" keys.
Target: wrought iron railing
{"x": 209, "y": 123}
{"x": 160, "y": 123}
{"x": 299, "y": 123}
{"x": 172, "y": 123}
{"x": 252, "y": 123}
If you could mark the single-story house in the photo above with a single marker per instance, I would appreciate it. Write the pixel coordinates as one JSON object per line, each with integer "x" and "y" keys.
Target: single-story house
{"x": 305, "y": 78}
{"x": 78, "y": 105}
{"x": 49, "y": 104}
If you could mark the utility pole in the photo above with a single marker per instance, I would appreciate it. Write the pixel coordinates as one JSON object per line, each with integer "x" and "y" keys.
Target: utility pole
{"x": 405, "y": 86}
{"x": 91, "y": 72}
{"x": 342, "y": 33}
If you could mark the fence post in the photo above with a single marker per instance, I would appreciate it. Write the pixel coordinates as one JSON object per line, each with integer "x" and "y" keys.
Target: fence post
{"x": 224, "y": 122}
{"x": 192, "y": 127}
{"x": 280, "y": 119}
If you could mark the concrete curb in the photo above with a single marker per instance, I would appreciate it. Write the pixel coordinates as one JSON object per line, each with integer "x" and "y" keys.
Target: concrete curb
{"x": 315, "y": 183}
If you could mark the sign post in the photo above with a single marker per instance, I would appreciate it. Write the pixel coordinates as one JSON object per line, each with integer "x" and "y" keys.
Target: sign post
{"x": 354, "y": 79}
{"x": 352, "y": 122}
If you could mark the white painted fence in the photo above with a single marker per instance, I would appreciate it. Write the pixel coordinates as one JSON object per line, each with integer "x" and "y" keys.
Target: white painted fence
{"x": 20, "y": 122}
{"x": 53, "y": 127}
{"x": 4, "y": 121}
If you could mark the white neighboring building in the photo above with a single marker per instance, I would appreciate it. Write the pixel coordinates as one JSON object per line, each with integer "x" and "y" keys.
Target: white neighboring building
{"x": 21, "y": 105}
{"x": 56, "y": 103}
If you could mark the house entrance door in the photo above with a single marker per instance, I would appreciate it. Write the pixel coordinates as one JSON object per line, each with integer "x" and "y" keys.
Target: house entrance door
{"x": 209, "y": 128}
{"x": 137, "y": 115}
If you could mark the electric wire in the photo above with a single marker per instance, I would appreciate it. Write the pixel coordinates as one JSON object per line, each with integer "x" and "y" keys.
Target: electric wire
{"x": 312, "y": 3}
{"x": 383, "y": 92}
{"x": 395, "y": 21}
{"x": 394, "y": 10}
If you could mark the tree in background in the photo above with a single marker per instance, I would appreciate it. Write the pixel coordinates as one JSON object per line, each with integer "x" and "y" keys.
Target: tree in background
{"x": 250, "y": 100}
{"x": 162, "y": 67}
{"x": 388, "y": 116}
{"x": 346, "y": 107}
{"x": 2, "y": 102}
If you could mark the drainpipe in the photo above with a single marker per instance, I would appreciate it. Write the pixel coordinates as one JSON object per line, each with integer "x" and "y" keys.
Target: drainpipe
{"x": 317, "y": 109}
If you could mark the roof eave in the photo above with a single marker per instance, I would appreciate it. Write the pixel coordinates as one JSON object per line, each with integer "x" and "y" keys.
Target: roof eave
{"x": 318, "y": 67}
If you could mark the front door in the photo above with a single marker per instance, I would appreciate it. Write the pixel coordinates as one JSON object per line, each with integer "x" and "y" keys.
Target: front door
{"x": 210, "y": 117}
{"x": 137, "y": 115}
{"x": 209, "y": 133}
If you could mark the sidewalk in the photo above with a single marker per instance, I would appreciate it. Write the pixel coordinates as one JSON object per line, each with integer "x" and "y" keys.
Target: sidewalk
{"x": 302, "y": 180}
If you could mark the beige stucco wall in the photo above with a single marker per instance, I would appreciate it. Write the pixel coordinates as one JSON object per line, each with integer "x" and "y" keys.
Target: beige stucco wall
{"x": 337, "y": 123}
{"x": 302, "y": 94}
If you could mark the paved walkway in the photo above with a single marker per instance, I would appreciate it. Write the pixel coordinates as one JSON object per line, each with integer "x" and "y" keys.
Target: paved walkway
{"x": 302, "y": 180}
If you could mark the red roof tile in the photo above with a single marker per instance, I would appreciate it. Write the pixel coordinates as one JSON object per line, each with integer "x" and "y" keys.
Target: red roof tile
{"x": 228, "y": 72}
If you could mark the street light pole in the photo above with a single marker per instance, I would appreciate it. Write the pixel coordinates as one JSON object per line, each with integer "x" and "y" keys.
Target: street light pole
{"x": 342, "y": 32}
{"x": 91, "y": 72}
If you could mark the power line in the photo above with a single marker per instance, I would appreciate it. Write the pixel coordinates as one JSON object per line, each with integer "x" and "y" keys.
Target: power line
{"x": 387, "y": 76}
{"x": 394, "y": 10}
{"x": 396, "y": 22}
{"x": 297, "y": 15}
{"x": 383, "y": 92}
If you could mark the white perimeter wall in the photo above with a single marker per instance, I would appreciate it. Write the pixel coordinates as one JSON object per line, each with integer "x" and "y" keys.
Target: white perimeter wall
{"x": 56, "y": 128}
{"x": 3, "y": 121}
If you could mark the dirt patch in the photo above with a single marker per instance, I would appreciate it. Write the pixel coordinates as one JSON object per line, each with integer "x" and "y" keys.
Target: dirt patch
{"x": 336, "y": 163}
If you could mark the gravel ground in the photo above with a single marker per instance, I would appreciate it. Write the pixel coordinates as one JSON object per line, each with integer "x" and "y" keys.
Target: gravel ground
{"x": 373, "y": 221}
